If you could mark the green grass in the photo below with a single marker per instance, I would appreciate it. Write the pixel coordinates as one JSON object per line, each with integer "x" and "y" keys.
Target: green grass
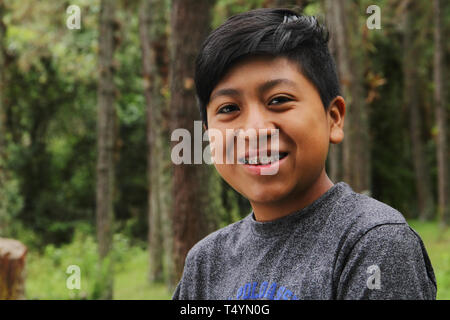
{"x": 46, "y": 272}
{"x": 131, "y": 283}
{"x": 437, "y": 243}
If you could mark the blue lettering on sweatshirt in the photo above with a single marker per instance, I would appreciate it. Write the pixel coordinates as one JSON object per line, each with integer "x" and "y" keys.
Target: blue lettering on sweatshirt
{"x": 270, "y": 291}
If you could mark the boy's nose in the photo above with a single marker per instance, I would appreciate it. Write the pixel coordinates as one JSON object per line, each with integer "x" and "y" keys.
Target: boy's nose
{"x": 258, "y": 118}
{"x": 257, "y": 130}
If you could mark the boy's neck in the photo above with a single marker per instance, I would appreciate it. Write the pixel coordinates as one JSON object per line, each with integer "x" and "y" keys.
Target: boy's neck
{"x": 294, "y": 202}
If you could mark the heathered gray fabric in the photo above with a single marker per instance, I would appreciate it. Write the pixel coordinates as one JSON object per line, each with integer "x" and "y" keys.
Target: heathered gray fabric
{"x": 330, "y": 249}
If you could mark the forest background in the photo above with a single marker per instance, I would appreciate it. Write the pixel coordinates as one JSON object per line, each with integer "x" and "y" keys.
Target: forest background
{"x": 87, "y": 108}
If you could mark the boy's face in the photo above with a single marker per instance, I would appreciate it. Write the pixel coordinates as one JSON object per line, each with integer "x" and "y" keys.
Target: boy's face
{"x": 293, "y": 106}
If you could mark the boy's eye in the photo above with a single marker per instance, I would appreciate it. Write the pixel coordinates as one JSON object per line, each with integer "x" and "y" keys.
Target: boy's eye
{"x": 227, "y": 109}
{"x": 280, "y": 100}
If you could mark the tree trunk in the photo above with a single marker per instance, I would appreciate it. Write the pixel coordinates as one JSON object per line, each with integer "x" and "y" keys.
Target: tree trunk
{"x": 2, "y": 84}
{"x": 355, "y": 147}
{"x": 334, "y": 159}
{"x": 152, "y": 23}
{"x": 12, "y": 269}
{"x": 361, "y": 138}
{"x": 339, "y": 31}
{"x": 190, "y": 20}
{"x": 411, "y": 100}
{"x": 3, "y": 113}
{"x": 441, "y": 118}
{"x": 105, "y": 138}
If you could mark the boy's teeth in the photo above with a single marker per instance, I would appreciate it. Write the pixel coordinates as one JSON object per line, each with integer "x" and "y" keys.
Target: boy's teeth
{"x": 262, "y": 160}
{"x": 266, "y": 160}
{"x": 253, "y": 160}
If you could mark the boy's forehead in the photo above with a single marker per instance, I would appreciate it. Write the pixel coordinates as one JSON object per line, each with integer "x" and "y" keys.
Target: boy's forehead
{"x": 260, "y": 68}
{"x": 259, "y": 61}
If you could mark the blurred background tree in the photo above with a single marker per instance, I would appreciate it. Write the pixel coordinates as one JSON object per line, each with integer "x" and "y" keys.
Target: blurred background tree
{"x": 55, "y": 84}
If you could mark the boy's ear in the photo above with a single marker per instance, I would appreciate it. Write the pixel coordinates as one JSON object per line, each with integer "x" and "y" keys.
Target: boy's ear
{"x": 335, "y": 115}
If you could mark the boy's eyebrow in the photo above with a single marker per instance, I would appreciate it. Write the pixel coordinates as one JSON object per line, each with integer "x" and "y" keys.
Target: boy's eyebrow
{"x": 263, "y": 87}
{"x": 274, "y": 82}
{"x": 225, "y": 92}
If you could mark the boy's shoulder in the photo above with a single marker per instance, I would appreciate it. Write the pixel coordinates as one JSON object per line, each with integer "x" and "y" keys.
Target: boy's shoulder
{"x": 362, "y": 212}
{"x": 359, "y": 217}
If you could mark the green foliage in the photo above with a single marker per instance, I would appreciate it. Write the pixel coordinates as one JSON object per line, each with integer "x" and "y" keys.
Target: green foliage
{"x": 226, "y": 8}
{"x": 131, "y": 161}
{"x": 52, "y": 96}
{"x": 393, "y": 175}
{"x": 52, "y": 155}
{"x": 47, "y": 182}
{"x": 11, "y": 202}
{"x": 46, "y": 271}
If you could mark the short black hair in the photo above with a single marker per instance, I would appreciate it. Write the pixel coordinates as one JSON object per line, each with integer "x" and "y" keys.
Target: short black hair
{"x": 270, "y": 31}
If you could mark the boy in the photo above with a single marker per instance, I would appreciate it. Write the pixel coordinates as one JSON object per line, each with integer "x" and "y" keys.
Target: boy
{"x": 306, "y": 238}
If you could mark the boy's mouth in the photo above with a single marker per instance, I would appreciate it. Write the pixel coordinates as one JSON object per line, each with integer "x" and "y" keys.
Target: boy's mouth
{"x": 257, "y": 160}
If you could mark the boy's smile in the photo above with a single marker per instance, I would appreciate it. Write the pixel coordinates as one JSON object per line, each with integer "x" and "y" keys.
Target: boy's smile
{"x": 262, "y": 92}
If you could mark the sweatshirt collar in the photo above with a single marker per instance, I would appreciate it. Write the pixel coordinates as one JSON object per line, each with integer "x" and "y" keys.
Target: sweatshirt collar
{"x": 285, "y": 224}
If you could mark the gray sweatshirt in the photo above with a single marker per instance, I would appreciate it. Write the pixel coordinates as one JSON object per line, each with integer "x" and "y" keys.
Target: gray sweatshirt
{"x": 344, "y": 245}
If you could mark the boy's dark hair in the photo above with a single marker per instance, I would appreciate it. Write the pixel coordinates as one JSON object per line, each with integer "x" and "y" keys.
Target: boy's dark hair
{"x": 277, "y": 32}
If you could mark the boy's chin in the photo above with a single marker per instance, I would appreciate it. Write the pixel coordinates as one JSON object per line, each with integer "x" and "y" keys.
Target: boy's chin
{"x": 266, "y": 197}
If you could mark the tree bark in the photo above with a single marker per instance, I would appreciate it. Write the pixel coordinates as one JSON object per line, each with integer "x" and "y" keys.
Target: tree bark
{"x": 105, "y": 137}
{"x": 441, "y": 117}
{"x": 190, "y": 22}
{"x": 361, "y": 138}
{"x": 334, "y": 159}
{"x": 411, "y": 100}
{"x": 12, "y": 269}
{"x": 152, "y": 23}
{"x": 3, "y": 113}
{"x": 339, "y": 31}
{"x": 355, "y": 147}
{"x": 2, "y": 83}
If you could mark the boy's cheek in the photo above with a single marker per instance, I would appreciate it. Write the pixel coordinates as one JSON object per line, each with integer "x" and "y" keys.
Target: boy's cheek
{"x": 229, "y": 174}
{"x": 220, "y": 155}
{"x": 222, "y": 145}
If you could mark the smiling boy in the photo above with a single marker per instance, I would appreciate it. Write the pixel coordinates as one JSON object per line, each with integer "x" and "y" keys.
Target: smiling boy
{"x": 306, "y": 237}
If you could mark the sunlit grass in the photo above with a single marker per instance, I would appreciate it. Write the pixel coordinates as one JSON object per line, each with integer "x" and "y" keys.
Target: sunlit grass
{"x": 437, "y": 243}
{"x": 131, "y": 282}
{"x": 46, "y": 272}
